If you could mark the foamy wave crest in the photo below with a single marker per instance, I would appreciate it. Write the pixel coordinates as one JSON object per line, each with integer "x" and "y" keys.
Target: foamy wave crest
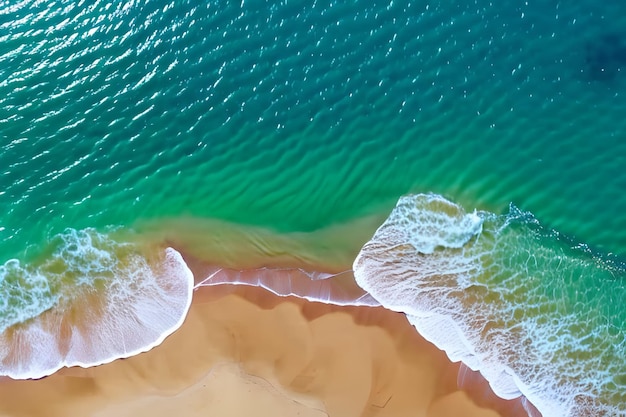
{"x": 508, "y": 298}
{"x": 89, "y": 300}
{"x": 24, "y": 294}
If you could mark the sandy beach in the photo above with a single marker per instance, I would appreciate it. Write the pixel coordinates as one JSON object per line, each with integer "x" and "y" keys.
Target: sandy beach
{"x": 244, "y": 351}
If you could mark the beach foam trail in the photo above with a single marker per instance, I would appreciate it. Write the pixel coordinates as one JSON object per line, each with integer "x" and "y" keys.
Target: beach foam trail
{"x": 338, "y": 289}
{"x": 535, "y": 315}
{"x": 95, "y": 300}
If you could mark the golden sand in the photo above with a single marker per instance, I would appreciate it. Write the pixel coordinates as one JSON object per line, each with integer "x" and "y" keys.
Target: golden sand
{"x": 243, "y": 351}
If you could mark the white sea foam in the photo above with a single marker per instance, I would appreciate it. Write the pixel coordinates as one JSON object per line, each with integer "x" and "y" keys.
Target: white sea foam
{"x": 111, "y": 302}
{"x": 434, "y": 222}
{"x": 24, "y": 294}
{"x": 506, "y": 298}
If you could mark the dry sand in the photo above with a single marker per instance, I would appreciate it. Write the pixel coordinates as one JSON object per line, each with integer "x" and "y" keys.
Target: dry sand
{"x": 245, "y": 352}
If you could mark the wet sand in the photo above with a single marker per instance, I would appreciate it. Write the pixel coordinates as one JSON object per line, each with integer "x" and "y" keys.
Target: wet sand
{"x": 243, "y": 351}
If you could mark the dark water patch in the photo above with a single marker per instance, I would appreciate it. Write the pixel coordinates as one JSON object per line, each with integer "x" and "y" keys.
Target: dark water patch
{"x": 606, "y": 57}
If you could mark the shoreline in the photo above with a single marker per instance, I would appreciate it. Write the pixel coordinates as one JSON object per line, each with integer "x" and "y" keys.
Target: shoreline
{"x": 279, "y": 352}
{"x": 283, "y": 355}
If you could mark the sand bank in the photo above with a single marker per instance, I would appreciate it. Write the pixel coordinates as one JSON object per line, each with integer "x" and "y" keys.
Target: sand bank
{"x": 243, "y": 351}
{"x": 236, "y": 246}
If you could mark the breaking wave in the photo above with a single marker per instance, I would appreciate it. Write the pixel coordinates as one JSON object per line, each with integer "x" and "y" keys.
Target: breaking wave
{"x": 534, "y": 314}
{"x": 88, "y": 300}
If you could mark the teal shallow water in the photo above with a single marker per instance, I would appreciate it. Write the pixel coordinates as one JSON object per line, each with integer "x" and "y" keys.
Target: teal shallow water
{"x": 295, "y": 116}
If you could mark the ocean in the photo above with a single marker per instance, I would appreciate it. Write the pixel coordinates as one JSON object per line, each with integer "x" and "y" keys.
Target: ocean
{"x": 118, "y": 119}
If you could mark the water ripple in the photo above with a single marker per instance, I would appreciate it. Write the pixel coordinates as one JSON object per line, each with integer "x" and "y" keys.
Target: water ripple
{"x": 296, "y": 116}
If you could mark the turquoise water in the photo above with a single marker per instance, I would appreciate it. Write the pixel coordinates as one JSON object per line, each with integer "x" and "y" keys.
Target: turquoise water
{"x": 295, "y": 116}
